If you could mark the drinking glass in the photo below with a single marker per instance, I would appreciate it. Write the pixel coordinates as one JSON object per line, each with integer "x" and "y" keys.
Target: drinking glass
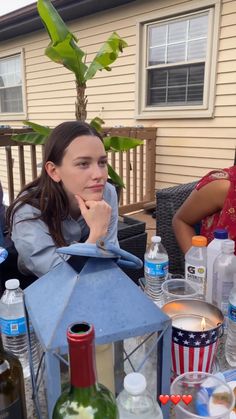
{"x": 202, "y": 396}
{"x": 176, "y": 288}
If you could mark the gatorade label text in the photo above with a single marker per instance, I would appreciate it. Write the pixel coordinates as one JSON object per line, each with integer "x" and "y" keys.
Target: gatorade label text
{"x": 196, "y": 274}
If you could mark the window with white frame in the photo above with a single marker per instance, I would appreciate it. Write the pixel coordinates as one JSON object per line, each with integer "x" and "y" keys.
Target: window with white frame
{"x": 176, "y": 69}
{"x": 11, "y": 97}
{"x": 176, "y": 61}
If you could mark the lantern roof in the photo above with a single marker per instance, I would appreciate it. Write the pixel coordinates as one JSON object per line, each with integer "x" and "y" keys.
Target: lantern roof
{"x": 99, "y": 293}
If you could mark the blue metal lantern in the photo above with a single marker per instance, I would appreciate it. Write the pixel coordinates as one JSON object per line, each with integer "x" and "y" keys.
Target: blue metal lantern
{"x": 97, "y": 291}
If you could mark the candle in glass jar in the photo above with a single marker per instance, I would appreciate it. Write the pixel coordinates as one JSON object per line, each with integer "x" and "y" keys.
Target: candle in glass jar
{"x": 192, "y": 322}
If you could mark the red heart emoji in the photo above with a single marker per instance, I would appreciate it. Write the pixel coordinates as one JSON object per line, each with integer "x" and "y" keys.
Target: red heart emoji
{"x": 175, "y": 398}
{"x": 164, "y": 398}
{"x": 187, "y": 398}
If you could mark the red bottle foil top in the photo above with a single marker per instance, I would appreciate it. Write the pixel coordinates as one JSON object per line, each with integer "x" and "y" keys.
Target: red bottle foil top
{"x": 80, "y": 338}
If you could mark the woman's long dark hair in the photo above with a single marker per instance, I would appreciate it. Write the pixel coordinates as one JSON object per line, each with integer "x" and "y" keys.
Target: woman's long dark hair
{"x": 45, "y": 194}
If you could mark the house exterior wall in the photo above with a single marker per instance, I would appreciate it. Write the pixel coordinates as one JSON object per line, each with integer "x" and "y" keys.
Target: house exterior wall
{"x": 185, "y": 148}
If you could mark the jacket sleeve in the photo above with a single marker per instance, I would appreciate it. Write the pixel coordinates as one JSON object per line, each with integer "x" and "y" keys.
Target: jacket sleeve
{"x": 34, "y": 244}
{"x": 110, "y": 196}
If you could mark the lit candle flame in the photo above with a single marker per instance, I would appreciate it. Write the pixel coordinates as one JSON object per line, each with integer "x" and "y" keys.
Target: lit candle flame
{"x": 203, "y": 323}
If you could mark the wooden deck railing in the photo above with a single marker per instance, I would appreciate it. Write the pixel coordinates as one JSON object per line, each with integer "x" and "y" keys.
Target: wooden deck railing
{"x": 20, "y": 163}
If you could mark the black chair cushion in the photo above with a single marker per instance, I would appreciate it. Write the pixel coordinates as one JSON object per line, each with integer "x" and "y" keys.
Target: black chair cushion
{"x": 168, "y": 200}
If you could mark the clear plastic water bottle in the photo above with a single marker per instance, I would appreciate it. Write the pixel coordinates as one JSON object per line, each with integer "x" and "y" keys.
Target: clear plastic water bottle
{"x": 230, "y": 345}
{"x": 223, "y": 275}
{"x": 13, "y": 326}
{"x": 135, "y": 401}
{"x": 196, "y": 263}
{"x": 156, "y": 269}
{"x": 213, "y": 250}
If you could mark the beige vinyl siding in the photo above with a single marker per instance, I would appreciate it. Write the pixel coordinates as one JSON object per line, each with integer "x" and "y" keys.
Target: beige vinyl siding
{"x": 186, "y": 148}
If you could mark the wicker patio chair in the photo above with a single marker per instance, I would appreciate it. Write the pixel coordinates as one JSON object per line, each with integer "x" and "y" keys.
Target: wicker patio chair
{"x": 168, "y": 200}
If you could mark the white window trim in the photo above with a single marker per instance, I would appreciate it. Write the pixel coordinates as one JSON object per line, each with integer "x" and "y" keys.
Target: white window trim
{"x": 206, "y": 110}
{"x": 19, "y": 116}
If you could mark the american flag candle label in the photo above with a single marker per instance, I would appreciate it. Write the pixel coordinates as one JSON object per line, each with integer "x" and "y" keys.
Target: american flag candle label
{"x": 194, "y": 351}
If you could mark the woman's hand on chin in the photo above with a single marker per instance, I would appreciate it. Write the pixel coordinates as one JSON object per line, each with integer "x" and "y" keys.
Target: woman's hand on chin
{"x": 97, "y": 215}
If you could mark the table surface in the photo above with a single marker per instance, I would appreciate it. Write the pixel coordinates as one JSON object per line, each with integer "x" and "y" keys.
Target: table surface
{"x": 31, "y": 412}
{"x": 220, "y": 365}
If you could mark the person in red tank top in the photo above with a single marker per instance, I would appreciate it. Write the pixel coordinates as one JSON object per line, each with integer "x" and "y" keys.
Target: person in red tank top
{"x": 213, "y": 203}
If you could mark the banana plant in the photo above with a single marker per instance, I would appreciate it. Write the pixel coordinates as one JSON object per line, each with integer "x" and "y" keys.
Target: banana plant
{"x": 64, "y": 50}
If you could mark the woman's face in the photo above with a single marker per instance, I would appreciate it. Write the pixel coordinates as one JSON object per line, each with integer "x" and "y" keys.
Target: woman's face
{"x": 83, "y": 170}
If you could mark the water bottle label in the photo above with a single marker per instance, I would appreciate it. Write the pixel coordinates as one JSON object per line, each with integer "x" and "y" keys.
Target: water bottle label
{"x": 156, "y": 269}
{"x": 13, "y": 327}
{"x": 232, "y": 312}
{"x": 12, "y": 411}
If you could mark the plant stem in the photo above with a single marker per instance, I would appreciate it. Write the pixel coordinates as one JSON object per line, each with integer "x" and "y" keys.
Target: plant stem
{"x": 81, "y": 102}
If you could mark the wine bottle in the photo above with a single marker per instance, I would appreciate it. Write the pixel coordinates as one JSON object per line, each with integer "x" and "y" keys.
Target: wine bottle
{"x": 12, "y": 392}
{"x": 86, "y": 398}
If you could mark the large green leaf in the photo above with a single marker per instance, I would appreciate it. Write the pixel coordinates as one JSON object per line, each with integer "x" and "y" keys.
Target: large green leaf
{"x": 97, "y": 124}
{"x": 39, "y": 136}
{"x": 70, "y": 55}
{"x": 30, "y": 138}
{"x": 41, "y": 129}
{"x": 121, "y": 143}
{"x": 55, "y": 26}
{"x": 115, "y": 177}
{"x": 62, "y": 48}
{"x": 107, "y": 54}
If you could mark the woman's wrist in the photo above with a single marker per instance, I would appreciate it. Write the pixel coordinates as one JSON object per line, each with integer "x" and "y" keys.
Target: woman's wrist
{"x": 93, "y": 237}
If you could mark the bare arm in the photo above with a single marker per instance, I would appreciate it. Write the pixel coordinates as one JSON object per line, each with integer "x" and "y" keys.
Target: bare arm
{"x": 206, "y": 201}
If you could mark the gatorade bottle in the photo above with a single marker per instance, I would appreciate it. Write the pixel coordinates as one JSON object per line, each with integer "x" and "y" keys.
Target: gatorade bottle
{"x": 196, "y": 263}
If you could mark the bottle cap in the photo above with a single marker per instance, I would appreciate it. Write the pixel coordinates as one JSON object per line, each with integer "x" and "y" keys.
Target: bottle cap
{"x": 135, "y": 383}
{"x": 199, "y": 241}
{"x": 228, "y": 246}
{"x": 12, "y": 284}
{"x": 156, "y": 239}
{"x": 220, "y": 233}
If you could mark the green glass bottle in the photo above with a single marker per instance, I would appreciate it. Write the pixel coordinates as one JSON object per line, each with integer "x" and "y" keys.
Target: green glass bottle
{"x": 12, "y": 392}
{"x": 86, "y": 399}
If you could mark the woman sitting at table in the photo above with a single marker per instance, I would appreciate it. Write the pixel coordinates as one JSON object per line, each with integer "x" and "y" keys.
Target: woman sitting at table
{"x": 69, "y": 202}
{"x": 212, "y": 203}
